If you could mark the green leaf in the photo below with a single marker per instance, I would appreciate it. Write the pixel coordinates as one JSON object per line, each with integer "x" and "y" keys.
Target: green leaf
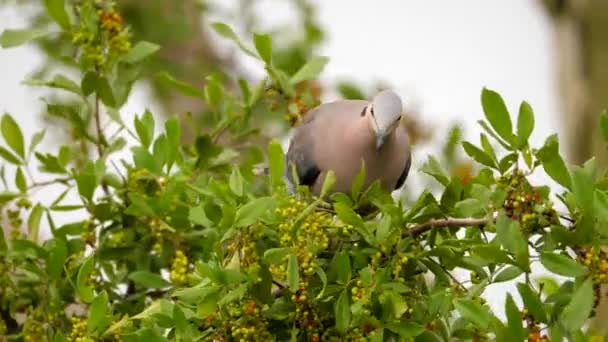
{"x": 562, "y": 265}
{"x": 58, "y": 82}
{"x": 491, "y": 253}
{"x": 474, "y": 312}
{"x": 497, "y": 114}
{"x": 310, "y": 70}
{"x": 433, "y": 168}
{"x": 184, "y": 88}
{"x": 180, "y": 321}
{"x": 227, "y": 32}
{"x": 104, "y": 91}
{"x": 56, "y": 10}
{"x": 532, "y": 302}
{"x": 487, "y": 147}
{"x": 276, "y": 161}
{"x": 509, "y": 273}
{"x": 236, "y": 182}
{"x": 349, "y": 216}
{"x": 20, "y": 181}
{"x": 525, "y": 124}
{"x": 342, "y": 312}
{"x": 468, "y": 207}
{"x": 405, "y": 329}
{"x": 36, "y": 140}
{"x": 552, "y": 162}
{"x": 57, "y": 256}
{"x": 249, "y": 213}
{"x": 148, "y": 279}
{"x": 198, "y": 216}
{"x": 509, "y": 235}
{"x": 33, "y": 222}
{"x": 263, "y": 43}
{"x": 293, "y": 273}
{"x": 9, "y": 157}
{"x": 140, "y": 51}
{"x": 343, "y": 270}
{"x": 276, "y": 255}
{"x": 328, "y": 183}
{"x": 583, "y": 189}
{"x": 85, "y": 292}
{"x": 516, "y": 330}
{"x": 604, "y": 124}
{"x": 355, "y": 189}
{"x": 577, "y": 311}
{"x": 11, "y": 38}
{"x": 12, "y": 135}
{"x": 214, "y": 92}
{"x": 98, "y": 320}
{"x": 478, "y": 154}
{"x": 145, "y": 128}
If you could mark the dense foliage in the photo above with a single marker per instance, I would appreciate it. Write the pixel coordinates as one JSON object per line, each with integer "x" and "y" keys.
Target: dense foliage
{"x": 192, "y": 243}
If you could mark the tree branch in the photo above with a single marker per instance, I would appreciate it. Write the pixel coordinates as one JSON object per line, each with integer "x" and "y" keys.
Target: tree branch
{"x": 449, "y": 222}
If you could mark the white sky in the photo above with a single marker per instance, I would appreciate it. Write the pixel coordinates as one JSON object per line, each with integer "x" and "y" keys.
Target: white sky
{"x": 438, "y": 53}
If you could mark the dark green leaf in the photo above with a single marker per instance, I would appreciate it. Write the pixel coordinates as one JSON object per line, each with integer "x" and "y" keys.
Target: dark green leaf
{"x": 509, "y": 273}
{"x": 478, "y": 154}
{"x": 104, "y": 91}
{"x": 12, "y": 135}
{"x": 98, "y": 318}
{"x": 310, "y": 70}
{"x": 88, "y": 84}
{"x": 343, "y": 270}
{"x": 11, "y": 38}
{"x": 140, "y": 51}
{"x": 342, "y": 312}
{"x": 249, "y": 213}
{"x": 516, "y": 330}
{"x": 56, "y": 10}
{"x": 148, "y": 279}
{"x": 525, "y": 124}
{"x": 532, "y": 302}
{"x": 57, "y": 256}
{"x": 562, "y": 265}
{"x": 491, "y": 253}
{"x": 577, "y": 311}
{"x": 497, "y": 114}
{"x": 263, "y": 43}
{"x": 293, "y": 273}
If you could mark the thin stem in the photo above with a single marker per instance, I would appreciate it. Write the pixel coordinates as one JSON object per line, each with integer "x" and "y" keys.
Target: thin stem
{"x": 49, "y": 182}
{"x": 449, "y": 222}
{"x": 98, "y": 126}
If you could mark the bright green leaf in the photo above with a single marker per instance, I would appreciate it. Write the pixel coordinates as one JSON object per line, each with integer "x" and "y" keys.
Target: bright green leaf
{"x": 293, "y": 273}
{"x": 405, "y": 330}
{"x": 98, "y": 319}
{"x": 33, "y": 222}
{"x": 140, "y": 51}
{"x": 12, "y": 134}
{"x": 9, "y": 157}
{"x": 509, "y": 273}
{"x": 227, "y": 32}
{"x": 478, "y": 154}
{"x": 57, "y": 257}
{"x": 11, "y": 38}
{"x": 497, "y": 114}
{"x": 552, "y": 162}
{"x": 236, "y": 182}
{"x": 183, "y": 87}
{"x": 474, "y": 312}
{"x": 249, "y": 213}
{"x": 525, "y": 124}
{"x": 577, "y": 311}
{"x": 148, "y": 279}
{"x": 310, "y": 70}
{"x": 516, "y": 330}
{"x": 20, "y": 181}
{"x": 263, "y": 44}
{"x": 433, "y": 168}
{"x": 562, "y": 265}
{"x": 56, "y": 10}
{"x": 510, "y": 237}
{"x": 583, "y": 189}
{"x": 85, "y": 292}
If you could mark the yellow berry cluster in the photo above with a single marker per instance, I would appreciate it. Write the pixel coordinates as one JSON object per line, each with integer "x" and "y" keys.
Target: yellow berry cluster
{"x": 179, "y": 269}
{"x": 88, "y": 236}
{"x": 155, "y": 226}
{"x": 15, "y": 221}
{"x": 597, "y": 262}
{"x": 398, "y": 263}
{"x": 118, "y": 239}
{"x": 33, "y": 331}
{"x": 246, "y": 323}
{"x": 79, "y": 329}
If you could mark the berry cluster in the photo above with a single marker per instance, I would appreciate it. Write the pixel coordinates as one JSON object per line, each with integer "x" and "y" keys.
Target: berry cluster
{"x": 33, "y": 331}
{"x": 101, "y": 34}
{"x": 596, "y": 260}
{"x": 245, "y": 323}
{"x": 79, "y": 329}
{"x": 308, "y": 239}
{"x": 179, "y": 269}
{"x": 534, "y": 333}
{"x": 525, "y": 204}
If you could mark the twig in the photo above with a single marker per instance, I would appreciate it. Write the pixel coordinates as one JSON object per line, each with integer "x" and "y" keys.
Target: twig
{"x": 445, "y": 223}
{"x": 98, "y": 126}
{"x": 49, "y": 182}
